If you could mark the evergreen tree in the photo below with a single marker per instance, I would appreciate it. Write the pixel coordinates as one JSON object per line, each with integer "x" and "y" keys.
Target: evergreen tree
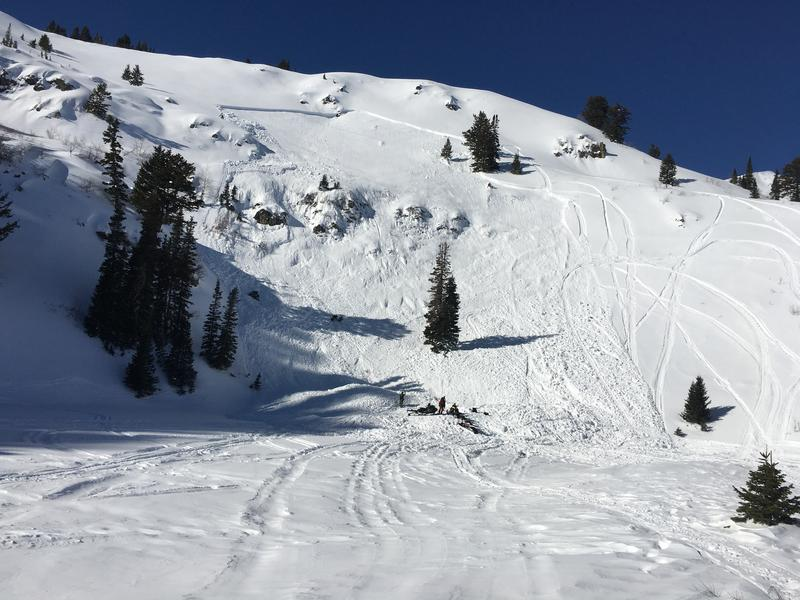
{"x": 140, "y": 376}
{"x": 695, "y": 409}
{"x": 616, "y": 125}
{"x": 452, "y": 304}
{"x": 654, "y": 151}
{"x": 85, "y": 35}
{"x": 124, "y": 41}
{"x": 104, "y": 319}
{"x": 8, "y": 40}
{"x": 235, "y": 194}
{"x": 53, "y": 27}
{"x": 179, "y": 364}
{"x": 112, "y": 163}
{"x": 516, "y": 165}
{"x": 6, "y": 214}
{"x": 284, "y": 64}
{"x": 126, "y": 73}
{"x": 139, "y": 288}
{"x": 447, "y": 150}
{"x": 256, "y": 385}
{"x": 775, "y": 191}
{"x": 136, "y": 77}
{"x": 97, "y": 104}
{"x": 212, "y": 325}
{"x": 164, "y": 187}
{"x": 324, "y": 186}
{"x": 734, "y": 178}
{"x": 225, "y": 196}
{"x": 482, "y": 139}
{"x": 45, "y": 46}
{"x": 595, "y": 113}
{"x": 441, "y": 328}
{"x": 748, "y": 180}
{"x": 668, "y": 171}
{"x": 227, "y": 343}
{"x": 76, "y": 33}
{"x": 766, "y": 497}
{"x": 790, "y": 180}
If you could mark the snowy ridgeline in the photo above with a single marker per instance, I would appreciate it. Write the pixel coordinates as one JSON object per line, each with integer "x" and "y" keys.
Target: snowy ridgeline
{"x": 591, "y": 297}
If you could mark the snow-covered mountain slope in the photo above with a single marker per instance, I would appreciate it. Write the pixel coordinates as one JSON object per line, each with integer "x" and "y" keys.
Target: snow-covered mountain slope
{"x": 591, "y": 296}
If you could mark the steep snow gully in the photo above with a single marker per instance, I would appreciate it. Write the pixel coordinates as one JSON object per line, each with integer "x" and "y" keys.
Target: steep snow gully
{"x": 591, "y": 296}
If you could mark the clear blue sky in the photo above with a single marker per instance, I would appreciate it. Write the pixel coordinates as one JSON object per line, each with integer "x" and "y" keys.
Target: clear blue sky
{"x": 709, "y": 81}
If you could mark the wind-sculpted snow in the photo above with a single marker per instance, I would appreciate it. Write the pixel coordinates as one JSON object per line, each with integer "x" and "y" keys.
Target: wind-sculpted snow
{"x": 591, "y": 296}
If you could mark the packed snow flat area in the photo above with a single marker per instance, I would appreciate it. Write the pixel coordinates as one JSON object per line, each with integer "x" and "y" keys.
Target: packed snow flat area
{"x": 254, "y": 516}
{"x": 591, "y": 296}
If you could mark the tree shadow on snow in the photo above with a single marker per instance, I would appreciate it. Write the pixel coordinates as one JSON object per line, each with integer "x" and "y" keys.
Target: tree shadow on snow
{"x": 716, "y": 413}
{"x": 309, "y": 390}
{"x": 501, "y": 341}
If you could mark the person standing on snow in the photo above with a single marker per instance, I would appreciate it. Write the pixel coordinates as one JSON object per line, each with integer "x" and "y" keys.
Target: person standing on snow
{"x": 441, "y": 405}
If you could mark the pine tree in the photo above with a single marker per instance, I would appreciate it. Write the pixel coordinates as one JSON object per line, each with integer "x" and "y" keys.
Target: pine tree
{"x": 516, "y": 165}
{"x": 112, "y": 162}
{"x": 616, "y": 125}
{"x": 126, "y": 73}
{"x": 8, "y": 41}
{"x": 775, "y": 191}
{"x": 668, "y": 171}
{"x": 695, "y": 409}
{"x": 766, "y": 497}
{"x": 235, "y": 194}
{"x": 164, "y": 187}
{"x": 105, "y": 316}
{"x": 227, "y": 343}
{"x": 140, "y": 376}
{"x": 654, "y": 151}
{"x": 452, "y": 304}
{"x": 124, "y": 41}
{"x": 86, "y": 34}
{"x": 482, "y": 139}
{"x": 748, "y": 180}
{"x": 284, "y": 64}
{"x": 212, "y": 325}
{"x": 734, "y": 178}
{"x": 441, "y": 329}
{"x": 6, "y": 214}
{"x": 324, "y": 186}
{"x": 97, "y": 104}
{"x": 179, "y": 364}
{"x": 790, "y": 180}
{"x": 53, "y": 27}
{"x": 447, "y": 150}
{"x": 595, "y": 113}
{"x": 136, "y": 77}
{"x": 45, "y": 46}
{"x": 256, "y": 385}
{"x": 225, "y": 196}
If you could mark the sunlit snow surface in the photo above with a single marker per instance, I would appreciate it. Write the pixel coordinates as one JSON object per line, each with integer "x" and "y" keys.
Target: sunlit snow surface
{"x": 590, "y": 295}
